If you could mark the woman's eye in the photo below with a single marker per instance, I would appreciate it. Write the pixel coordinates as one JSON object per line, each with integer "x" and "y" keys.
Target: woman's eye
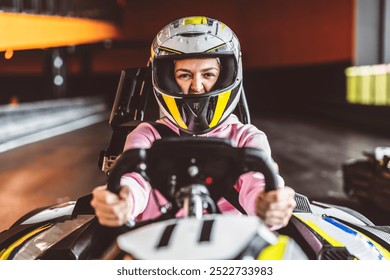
{"x": 209, "y": 75}
{"x": 184, "y": 76}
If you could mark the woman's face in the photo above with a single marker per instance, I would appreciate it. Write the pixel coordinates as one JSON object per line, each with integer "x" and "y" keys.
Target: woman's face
{"x": 196, "y": 75}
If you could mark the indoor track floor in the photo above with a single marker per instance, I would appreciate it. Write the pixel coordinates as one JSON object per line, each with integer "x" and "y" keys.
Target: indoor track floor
{"x": 309, "y": 153}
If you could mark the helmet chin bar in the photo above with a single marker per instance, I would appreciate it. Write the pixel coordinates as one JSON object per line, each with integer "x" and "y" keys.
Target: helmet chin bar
{"x": 195, "y": 116}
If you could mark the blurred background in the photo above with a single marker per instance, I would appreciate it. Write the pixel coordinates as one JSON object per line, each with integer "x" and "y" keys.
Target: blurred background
{"x": 316, "y": 76}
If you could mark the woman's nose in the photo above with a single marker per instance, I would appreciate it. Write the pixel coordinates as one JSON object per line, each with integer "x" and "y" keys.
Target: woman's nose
{"x": 197, "y": 85}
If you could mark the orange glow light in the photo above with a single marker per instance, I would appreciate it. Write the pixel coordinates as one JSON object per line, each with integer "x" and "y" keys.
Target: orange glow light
{"x": 9, "y": 53}
{"x": 26, "y": 31}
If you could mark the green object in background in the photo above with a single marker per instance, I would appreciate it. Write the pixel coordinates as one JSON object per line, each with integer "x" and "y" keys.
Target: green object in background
{"x": 352, "y": 84}
{"x": 381, "y": 86}
{"x": 365, "y": 79}
{"x": 368, "y": 85}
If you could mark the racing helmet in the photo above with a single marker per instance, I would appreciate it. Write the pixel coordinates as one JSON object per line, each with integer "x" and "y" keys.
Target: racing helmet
{"x": 196, "y": 37}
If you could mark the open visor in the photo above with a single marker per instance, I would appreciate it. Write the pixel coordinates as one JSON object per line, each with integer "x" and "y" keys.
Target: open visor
{"x": 164, "y": 78}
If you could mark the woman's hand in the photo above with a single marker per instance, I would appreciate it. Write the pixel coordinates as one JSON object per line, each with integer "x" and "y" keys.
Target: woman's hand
{"x": 112, "y": 210}
{"x": 275, "y": 207}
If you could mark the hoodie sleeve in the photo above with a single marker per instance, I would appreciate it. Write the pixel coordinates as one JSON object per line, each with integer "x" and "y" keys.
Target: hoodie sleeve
{"x": 141, "y": 137}
{"x": 251, "y": 184}
{"x": 139, "y": 189}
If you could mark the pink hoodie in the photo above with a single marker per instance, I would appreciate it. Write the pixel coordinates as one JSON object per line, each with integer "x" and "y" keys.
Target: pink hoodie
{"x": 249, "y": 185}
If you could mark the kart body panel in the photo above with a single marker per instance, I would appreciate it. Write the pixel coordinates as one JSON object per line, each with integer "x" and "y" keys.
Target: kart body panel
{"x": 368, "y": 179}
{"x": 213, "y": 237}
{"x": 316, "y": 231}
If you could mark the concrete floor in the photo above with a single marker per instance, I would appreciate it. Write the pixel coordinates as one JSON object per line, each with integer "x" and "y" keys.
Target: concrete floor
{"x": 309, "y": 152}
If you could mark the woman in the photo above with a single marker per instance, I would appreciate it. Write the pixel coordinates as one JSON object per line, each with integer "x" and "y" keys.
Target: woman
{"x": 197, "y": 81}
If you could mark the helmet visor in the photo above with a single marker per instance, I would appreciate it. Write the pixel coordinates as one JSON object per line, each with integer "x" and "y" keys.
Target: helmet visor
{"x": 164, "y": 77}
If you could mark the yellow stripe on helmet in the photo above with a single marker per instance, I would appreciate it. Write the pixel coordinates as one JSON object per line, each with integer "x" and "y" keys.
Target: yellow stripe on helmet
{"x": 4, "y": 254}
{"x": 215, "y": 48}
{"x": 275, "y": 251}
{"x": 195, "y": 20}
{"x": 172, "y": 107}
{"x": 170, "y": 50}
{"x": 222, "y": 101}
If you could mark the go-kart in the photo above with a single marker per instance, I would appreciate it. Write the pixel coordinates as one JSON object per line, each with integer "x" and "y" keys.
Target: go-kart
{"x": 192, "y": 173}
{"x": 368, "y": 179}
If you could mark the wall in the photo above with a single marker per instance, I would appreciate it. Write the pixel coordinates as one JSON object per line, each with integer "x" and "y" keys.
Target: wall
{"x": 294, "y": 51}
{"x": 272, "y": 32}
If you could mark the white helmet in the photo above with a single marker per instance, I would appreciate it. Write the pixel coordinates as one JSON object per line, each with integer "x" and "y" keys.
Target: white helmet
{"x": 193, "y": 37}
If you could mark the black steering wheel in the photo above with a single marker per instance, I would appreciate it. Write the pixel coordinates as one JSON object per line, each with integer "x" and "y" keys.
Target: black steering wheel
{"x": 175, "y": 162}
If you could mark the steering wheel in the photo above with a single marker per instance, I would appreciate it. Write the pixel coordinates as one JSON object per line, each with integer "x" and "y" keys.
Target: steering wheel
{"x": 172, "y": 163}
